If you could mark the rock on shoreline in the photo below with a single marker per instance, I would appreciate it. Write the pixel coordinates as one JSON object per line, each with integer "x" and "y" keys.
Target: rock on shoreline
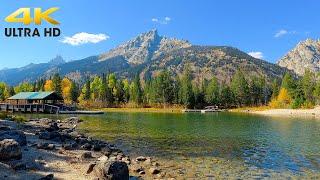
{"x": 47, "y": 149}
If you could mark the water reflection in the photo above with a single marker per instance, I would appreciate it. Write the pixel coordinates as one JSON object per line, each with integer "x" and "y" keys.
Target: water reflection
{"x": 275, "y": 144}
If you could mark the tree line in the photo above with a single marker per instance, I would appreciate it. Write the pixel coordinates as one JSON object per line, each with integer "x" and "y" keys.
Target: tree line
{"x": 164, "y": 89}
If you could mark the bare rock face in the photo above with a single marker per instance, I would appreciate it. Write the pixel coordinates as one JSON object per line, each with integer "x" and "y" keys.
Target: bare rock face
{"x": 145, "y": 47}
{"x": 10, "y": 149}
{"x": 306, "y": 55}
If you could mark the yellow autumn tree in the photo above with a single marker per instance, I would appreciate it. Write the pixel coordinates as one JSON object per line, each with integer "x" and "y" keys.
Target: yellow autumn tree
{"x": 283, "y": 100}
{"x": 48, "y": 86}
{"x": 66, "y": 90}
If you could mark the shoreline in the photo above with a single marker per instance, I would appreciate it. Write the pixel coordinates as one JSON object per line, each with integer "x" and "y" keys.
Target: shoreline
{"x": 264, "y": 110}
{"x": 291, "y": 113}
{"x": 55, "y": 149}
{"x": 142, "y": 110}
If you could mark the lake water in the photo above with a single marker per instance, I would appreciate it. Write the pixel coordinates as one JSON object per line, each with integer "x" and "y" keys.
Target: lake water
{"x": 221, "y": 145}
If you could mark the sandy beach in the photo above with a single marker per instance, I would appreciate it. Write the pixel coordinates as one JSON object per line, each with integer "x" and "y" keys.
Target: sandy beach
{"x": 307, "y": 113}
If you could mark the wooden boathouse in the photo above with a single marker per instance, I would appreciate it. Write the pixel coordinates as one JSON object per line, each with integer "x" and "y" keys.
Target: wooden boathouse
{"x": 34, "y": 102}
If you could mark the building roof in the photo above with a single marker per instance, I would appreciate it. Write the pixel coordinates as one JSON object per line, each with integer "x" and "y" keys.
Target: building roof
{"x": 35, "y": 96}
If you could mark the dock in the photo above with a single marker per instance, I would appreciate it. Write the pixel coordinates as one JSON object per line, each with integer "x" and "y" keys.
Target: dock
{"x": 30, "y": 108}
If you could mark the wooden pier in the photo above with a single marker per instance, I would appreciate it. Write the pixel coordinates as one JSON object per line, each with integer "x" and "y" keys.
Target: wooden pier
{"x": 30, "y": 108}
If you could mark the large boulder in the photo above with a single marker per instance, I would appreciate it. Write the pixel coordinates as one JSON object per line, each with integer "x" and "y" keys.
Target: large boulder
{"x": 18, "y": 136}
{"x": 10, "y": 149}
{"x": 114, "y": 170}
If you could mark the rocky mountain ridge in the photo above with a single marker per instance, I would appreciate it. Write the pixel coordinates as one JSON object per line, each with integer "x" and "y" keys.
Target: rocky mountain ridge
{"x": 306, "y": 55}
{"x": 145, "y": 47}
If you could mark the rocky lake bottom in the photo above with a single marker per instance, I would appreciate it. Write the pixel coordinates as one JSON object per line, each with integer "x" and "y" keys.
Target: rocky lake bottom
{"x": 189, "y": 146}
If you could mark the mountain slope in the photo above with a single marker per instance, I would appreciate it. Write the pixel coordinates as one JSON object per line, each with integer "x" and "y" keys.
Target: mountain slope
{"x": 306, "y": 55}
{"x": 30, "y": 72}
{"x": 208, "y": 61}
{"x": 147, "y": 54}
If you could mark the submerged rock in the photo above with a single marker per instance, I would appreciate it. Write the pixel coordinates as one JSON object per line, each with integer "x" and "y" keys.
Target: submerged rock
{"x": 10, "y": 149}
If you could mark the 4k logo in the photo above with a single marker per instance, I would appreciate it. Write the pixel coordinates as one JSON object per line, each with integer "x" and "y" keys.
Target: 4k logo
{"x": 26, "y": 18}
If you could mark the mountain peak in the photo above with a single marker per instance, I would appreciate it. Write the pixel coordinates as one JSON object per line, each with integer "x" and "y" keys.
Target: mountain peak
{"x": 145, "y": 47}
{"x": 57, "y": 60}
{"x": 306, "y": 55}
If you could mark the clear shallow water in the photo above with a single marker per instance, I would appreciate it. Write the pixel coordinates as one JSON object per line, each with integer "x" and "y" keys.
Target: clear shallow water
{"x": 251, "y": 143}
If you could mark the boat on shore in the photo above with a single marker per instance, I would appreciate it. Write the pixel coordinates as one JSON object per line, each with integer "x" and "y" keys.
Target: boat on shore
{"x": 208, "y": 109}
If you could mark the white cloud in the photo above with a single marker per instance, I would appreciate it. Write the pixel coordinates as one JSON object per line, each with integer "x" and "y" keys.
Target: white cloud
{"x": 284, "y": 32}
{"x": 280, "y": 33}
{"x": 84, "y": 38}
{"x": 154, "y": 20}
{"x": 165, "y": 20}
{"x": 258, "y": 55}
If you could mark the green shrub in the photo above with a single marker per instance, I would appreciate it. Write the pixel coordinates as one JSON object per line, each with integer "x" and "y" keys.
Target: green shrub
{"x": 18, "y": 119}
{"x": 297, "y": 103}
{"x": 3, "y": 115}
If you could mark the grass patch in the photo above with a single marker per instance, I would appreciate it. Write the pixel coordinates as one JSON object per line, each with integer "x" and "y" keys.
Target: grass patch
{"x": 11, "y": 117}
{"x": 18, "y": 119}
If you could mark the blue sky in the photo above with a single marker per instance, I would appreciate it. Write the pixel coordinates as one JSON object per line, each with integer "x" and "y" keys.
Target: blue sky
{"x": 271, "y": 27}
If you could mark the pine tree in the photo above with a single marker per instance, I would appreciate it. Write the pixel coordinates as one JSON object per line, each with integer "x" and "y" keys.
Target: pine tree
{"x": 275, "y": 87}
{"x": 212, "y": 92}
{"x": 126, "y": 89}
{"x": 308, "y": 83}
{"x": 87, "y": 91}
{"x": 289, "y": 83}
{"x": 56, "y": 84}
{"x": 136, "y": 91}
{"x": 240, "y": 89}
{"x": 226, "y": 96}
{"x": 74, "y": 91}
{"x": 186, "y": 90}
{"x": 120, "y": 94}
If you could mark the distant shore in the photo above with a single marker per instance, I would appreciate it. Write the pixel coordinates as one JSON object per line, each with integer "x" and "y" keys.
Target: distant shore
{"x": 309, "y": 113}
{"x": 143, "y": 110}
{"x": 264, "y": 110}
